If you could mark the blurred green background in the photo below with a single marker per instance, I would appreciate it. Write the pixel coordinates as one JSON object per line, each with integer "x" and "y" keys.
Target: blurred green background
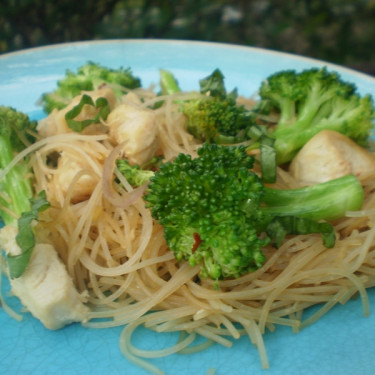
{"x": 339, "y": 31}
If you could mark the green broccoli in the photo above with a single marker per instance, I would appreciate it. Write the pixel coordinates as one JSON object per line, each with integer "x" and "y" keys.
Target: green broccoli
{"x": 17, "y": 203}
{"x": 88, "y": 77}
{"x": 15, "y": 135}
{"x": 135, "y": 175}
{"x": 214, "y": 116}
{"x": 311, "y": 101}
{"x": 216, "y": 212}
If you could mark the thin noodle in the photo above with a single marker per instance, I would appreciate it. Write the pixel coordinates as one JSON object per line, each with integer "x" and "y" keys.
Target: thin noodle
{"x": 124, "y": 346}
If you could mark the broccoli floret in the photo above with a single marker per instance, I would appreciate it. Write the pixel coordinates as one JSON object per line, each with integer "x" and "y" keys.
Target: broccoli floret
{"x": 209, "y": 200}
{"x": 138, "y": 175}
{"x": 215, "y": 116}
{"x": 311, "y": 101}
{"x": 89, "y": 77}
{"x": 134, "y": 174}
{"x": 216, "y": 212}
{"x": 219, "y": 121}
{"x": 17, "y": 204}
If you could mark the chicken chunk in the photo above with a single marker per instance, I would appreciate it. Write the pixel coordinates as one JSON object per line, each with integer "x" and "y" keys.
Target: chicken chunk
{"x": 45, "y": 288}
{"x": 8, "y": 240}
{"x": 67, "y": 168}
{"x": 55, "y": 122}
{"x": 137, "y": 127}
{"x": 329, "y": 155}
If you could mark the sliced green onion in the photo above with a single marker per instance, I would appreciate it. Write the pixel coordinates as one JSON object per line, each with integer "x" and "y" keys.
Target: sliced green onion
{"x": 25, "y": 239}
{"x": 100, "y": 103}
{"x": 283, "y": 225}
{"x": 268, "y": 159}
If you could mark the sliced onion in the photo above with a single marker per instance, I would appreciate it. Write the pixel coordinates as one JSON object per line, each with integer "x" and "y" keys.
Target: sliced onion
{"x": 118, "y": 200}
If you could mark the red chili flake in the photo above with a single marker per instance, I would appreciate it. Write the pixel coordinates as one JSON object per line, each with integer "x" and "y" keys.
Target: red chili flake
{"x": 197, "y": 242}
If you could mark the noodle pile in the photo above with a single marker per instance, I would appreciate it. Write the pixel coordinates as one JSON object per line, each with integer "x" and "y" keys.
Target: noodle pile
{"x": 113, "y": 249}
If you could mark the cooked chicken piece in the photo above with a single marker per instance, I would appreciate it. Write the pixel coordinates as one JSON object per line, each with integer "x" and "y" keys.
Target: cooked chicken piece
{"x": 131, "y": 98}
{"x": 8, "y": 242}
{"x": 45, "y": 288}
{"x": 67, "y": 169}
{"x": 55, "y": 122}
{"x": 137, "y": 127}
{"x": 329, "y": 155}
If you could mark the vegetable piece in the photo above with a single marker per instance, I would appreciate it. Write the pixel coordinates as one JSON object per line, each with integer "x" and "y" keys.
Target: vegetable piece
{"x": 283, "y": 225}
{"x": 89, "y": 77}
{"x": 214, "y": 116}
{"x": 17, "y": 206}
{"x": 217, "y": 213}
{"x": 101, "y": 104}
{"x": 212, "y": 200}
{"x": 312, "y": 101}
{"x": 327, "y": 200}
{"x": 16, "y": 131}
{"x": 134, "y": 174}
{"x": 168, "y": 83}
{"x": 17, "y": 264}
{"x": 79, "y": 113}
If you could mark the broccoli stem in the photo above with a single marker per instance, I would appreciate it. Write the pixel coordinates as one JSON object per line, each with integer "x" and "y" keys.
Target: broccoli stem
{"x": 287, "y": 113}
{"x": 288, "y": 141}
{"x": 168, "y": 83}
{"x": 325, "y": 201}
{"x": 15, "y": 184}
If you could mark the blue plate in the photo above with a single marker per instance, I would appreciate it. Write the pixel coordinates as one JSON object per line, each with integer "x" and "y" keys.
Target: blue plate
{"x": 342, "y": 342}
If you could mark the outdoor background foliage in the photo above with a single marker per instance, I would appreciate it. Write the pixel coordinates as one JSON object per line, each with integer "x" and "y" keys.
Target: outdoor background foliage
{"x": 340, "y": 31}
